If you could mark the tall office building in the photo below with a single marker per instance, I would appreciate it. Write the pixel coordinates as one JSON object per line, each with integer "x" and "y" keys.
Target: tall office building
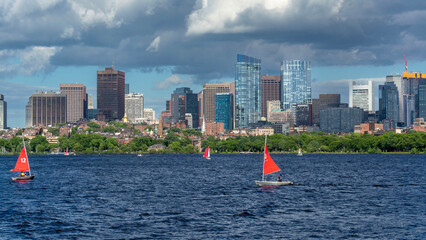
{"x": 296, "y": 82}
{"x": 76, "y": 101}
{"x": 397, "y": 80}
{"x": 134, "y": 107}
{"x": 340, "y": 119}
{"x": 389, "y": 103}
{"x": 46, "y": 109}
{"x": 324, "y": 101}
{"x": 301, "y": 114}
{"x": 184, "y": 101}
{"x": 271, "y": 90}
{"x": 421, "y": 99}
{"x": 224, "y": 109}
{"x": 126, "y": 88}
{"x": 361, "y": 96}
{"x": 411, "y": 98}
{"x": 248, "y": 106}
{"x": 110, "y": 91}
{"x": 3, "y": 113}
{"x": 208, "y": 99}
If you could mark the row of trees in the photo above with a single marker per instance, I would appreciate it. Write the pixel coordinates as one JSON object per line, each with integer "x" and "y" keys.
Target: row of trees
{"x": 82, "y": 143}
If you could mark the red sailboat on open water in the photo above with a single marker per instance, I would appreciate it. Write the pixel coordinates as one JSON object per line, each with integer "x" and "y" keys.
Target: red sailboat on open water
{"x": 269, "y": 167}
{"x": 23, "y": 166}
{"x": 207, "y": 154}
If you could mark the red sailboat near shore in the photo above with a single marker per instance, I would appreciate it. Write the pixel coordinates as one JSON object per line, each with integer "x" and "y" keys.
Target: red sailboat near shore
{"x": 269, "y": 167}
{"x": 23, "y": 166}
{"x": 207, "y": 154}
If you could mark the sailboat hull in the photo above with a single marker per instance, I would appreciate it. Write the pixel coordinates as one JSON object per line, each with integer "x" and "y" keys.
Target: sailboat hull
{"x": 20, "y": 178}
{"x": 272, "y": 183}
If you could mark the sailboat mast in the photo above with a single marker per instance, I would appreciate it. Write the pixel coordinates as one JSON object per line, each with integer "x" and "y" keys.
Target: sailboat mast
{"x": 26, "y": 155}
{"x": 263, "y": 172}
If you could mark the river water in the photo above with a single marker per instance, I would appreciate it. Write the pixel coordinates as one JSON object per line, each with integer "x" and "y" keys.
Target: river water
{"x": 187, "y": 197}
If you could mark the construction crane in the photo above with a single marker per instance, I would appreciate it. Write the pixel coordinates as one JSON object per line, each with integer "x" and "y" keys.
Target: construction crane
{"x": 406, "y": 68}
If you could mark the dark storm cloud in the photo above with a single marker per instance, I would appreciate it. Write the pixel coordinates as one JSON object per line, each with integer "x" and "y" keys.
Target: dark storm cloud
{"x": 199, "y": 39}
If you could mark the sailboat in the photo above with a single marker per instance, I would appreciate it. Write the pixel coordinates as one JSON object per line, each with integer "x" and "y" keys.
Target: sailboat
{"x": 269, "y": 167}
{"x": 23, "y": 166}
{"x": 66, "y": 152}
{"x": 207, "y": 154}
{"x": 300, "y": 152}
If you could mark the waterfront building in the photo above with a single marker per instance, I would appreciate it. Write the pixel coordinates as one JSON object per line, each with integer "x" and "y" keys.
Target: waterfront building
{"x": 3, "y": 113}
{"x": 76, "y": 101}
{"x": 209, "y": 95}
{"x": 296, "y": 82}
{"x": 224, "y": 109}
{"x": 301, "y": 114}
{"x": 397, "y": 80}
{"x": 324, "y": 101}
{"x": 110, "y": 93}
{"x": 134, "y": 107}
{"x": 361, "y": 96}
{"x": 271, "y": 90}
{"x": 247, "y": 91}
{"x": 389, "y": 103}
{"x": 183, "y": 101}
{"x": 340, "y": 119}
{"x": 46, "y": 109}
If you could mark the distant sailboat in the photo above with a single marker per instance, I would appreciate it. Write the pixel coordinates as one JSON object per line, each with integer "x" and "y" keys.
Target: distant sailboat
{"x": 66, "y": 152}
{"x": 269, "y": 167}
{"x": 300, "y": 152}
{"x": 207, "y": 154}
{"x": 23, "y": 166}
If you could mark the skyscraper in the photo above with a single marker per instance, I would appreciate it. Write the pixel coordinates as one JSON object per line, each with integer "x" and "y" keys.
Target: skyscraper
{"x": 184, "y": 101}
{"x": 224, "y": 109}
{"x": 110, "y": 91}
{"x": 271, "y": 90}
{"x": 126, "y": 88}
{"x": 361, "y": 96}
{"x": 324, "y": 101}
{"x": 340, "y": 119}
{"x": 3, "y": 113}
{"x": 76, "y": 100}
{"x": 397, "y": 80}
{"x": 209, "y": 92}
{"x": 134, "y": 107}
{"x": 389, "y": 103}
{"x": 247, "y": 91}
{"x": 90, "y": 104}
{"x": 410, "y": 82}
{"x": 296, "y": 82}
{"x": 46, "y": 109}
{"x": 421, "y": 99}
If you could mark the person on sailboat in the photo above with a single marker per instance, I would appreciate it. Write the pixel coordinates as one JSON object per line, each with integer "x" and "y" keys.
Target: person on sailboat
{"x": 280, "y": 178}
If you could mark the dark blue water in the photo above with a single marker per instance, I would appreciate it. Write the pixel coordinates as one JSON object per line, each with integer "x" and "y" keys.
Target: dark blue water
{"x": 185, "y": 196}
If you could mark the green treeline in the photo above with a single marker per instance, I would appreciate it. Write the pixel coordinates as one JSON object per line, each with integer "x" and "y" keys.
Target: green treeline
{"x": 178, "y": 141}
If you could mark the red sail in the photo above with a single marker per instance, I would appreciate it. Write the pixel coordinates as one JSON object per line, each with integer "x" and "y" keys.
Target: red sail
{"x": 269, "y": 165}
{"x": 22, "y": 163}
{"x": 206, "y": 153}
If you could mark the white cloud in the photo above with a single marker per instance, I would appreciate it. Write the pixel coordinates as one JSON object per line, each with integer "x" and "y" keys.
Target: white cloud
{"x": 27, "y": 61}
{"x": 154, "y": 46}
{"x": 224, "y": 16}
{"x": 172, "y": 80}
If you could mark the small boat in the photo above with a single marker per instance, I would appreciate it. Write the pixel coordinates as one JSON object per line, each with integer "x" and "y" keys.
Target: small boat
{"x": 140, "y": 155}
{"x": 23, "y": 166}
{"x": 66, "y": 152}
{"x": 300, "y": 153}
{"x": 207, "y": 154}
{"x": 269, "y": 167}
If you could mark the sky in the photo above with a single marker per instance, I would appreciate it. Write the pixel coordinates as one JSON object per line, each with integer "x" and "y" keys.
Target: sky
{"x": 165, "y": 44}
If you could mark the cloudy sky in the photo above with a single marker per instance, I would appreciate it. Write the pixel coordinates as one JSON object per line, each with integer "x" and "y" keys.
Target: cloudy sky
{"x": 164, "y": 44}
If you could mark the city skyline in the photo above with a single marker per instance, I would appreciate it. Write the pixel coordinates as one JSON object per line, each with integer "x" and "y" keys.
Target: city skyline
{"x": 157, "y": 55}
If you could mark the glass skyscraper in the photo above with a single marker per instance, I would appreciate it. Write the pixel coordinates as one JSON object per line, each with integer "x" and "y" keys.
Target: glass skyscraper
{"x": 389, "y": 102}
{"x": 247, "y": 91}
{"x": 224, "y": 109}
{"x": 296, "y": 82}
